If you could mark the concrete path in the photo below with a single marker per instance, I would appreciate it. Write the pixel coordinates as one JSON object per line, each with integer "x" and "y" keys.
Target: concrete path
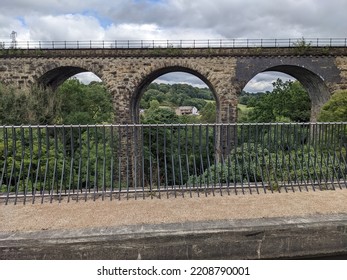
{"x": 108, "y": 214}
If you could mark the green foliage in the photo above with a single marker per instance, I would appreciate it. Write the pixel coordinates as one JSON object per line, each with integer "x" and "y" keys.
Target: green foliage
{"x": 335, "y": 110}
{"x": 28, "y": 157}
{"x": 301, "y": 46}
{"x": 254, "y": 163}
{"x": 287, "y": 102}
{"x": 85, "y": 104}
{"x": 208, "y": 113}
{"x": 72, "y": 103}
{"x": 173, "y": 96}
{"x": 55, "y": 160}
{"x": 157, "y": 115}
{"x": 39, "y": 106}
{"x": 177, "y": 94}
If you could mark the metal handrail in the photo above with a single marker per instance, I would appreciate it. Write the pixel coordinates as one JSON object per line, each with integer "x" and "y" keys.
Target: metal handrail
{"x": 65, "y": 162}
{"x": 177, "y": 44}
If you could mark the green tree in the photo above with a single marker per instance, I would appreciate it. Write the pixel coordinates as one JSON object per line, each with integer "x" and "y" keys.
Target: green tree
{"x": 287, "y": 101}
{"x": 85, "y": 104}
{"x": 335, "y": 110}
{"x": 33, "y": 106}
{"x": 208, "y": 113}
{"x": 158, "y": 115}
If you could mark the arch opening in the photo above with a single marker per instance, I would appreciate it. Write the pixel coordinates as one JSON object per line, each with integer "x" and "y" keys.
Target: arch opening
{"x": 57, "y": 76}
{"x": 80, "y": 96}
{"x": 293, "y": 78}
{"x": 184, "y": 92}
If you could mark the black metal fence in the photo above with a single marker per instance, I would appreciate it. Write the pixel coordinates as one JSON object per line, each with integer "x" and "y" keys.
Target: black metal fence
{"x": 46, "y": 163}
{"x": 147, "y": 44}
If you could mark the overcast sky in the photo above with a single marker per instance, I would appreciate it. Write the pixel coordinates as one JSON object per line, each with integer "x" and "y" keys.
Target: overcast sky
{"x": 173, "y": 19}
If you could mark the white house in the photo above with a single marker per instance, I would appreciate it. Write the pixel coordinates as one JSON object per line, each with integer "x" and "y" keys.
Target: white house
{"x": 187, "y": 110}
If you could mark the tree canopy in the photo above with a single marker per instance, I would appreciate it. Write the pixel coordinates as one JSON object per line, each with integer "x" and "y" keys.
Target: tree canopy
{"x": 288, "y": 101}
{"x": 72, "y": 103}
{"x": 335, "y": 110}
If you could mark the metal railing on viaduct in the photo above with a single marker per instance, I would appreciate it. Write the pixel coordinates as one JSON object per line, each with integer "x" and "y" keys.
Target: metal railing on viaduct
{"x": 47, "y": 163}
{"x": 212, "y": 43}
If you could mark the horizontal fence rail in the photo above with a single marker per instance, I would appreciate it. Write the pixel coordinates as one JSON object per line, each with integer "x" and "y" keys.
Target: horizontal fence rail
{"x": 147, "y": 44}
{"x": 56, "y": 163}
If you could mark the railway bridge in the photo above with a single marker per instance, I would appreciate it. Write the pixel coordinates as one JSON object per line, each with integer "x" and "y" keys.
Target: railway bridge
{"x": 226, "y": 66}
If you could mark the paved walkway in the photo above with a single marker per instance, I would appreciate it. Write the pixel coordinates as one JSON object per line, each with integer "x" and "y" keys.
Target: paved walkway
{"x": 105, "y": 214}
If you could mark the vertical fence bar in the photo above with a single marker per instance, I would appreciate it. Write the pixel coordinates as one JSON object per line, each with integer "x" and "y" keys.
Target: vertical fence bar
{"x": 158, "y": 161}
{"x": 143, "y": 162}
{"x": 87, "y": 176}
{"x": 47, "y": 166}
{"x": 104, "y": 170}
{"x": 38, "y": 167}
{"x": 72, "y": 155}
{"x": 187, "y": 162}
{"x": 4, "y": 166}
{"x": 173, "y": 161}
{"x": 195, "y": 174}
{"x": 64, "y": 161}
{"x": 201, "y": 165}
{"x": 181, "y": 183}
{"x": 120, "y": 153}
{"x": 80, "y": 167}
{"x": 342, "y": 157}
{"x": 166, "y": 184}
{"x": 112, "y": 162}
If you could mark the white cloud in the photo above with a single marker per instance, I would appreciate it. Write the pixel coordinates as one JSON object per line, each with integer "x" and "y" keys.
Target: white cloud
{"x": 64, "y": 27}
{"x": 180, "y": 78}
{"x": 263, "y": 81}
{"x": 172, "y": 19}
{"x": 87, "y": 77}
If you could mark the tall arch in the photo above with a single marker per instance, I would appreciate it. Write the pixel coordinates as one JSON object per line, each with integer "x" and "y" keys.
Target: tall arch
{"x": 314, "y": 83}
{"x": 139, "y": 91}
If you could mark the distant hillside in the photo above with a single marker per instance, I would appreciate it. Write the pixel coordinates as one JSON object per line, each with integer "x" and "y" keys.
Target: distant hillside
{"x": 176, "y": 95}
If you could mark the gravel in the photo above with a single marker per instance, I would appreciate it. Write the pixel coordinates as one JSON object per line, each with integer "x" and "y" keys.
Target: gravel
{"x": 107, "y": 213}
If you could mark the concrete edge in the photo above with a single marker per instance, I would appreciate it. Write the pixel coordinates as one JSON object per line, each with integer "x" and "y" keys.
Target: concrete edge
{"x": 294, "y": 237}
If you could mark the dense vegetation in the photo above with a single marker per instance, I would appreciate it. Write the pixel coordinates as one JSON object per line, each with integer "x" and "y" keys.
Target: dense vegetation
{"x": 288, "y": 102}
{"x": 72, "y": 103}
{"x": 160, "y": 101}
{"x": 188, "y": 156}
{"x": 335, "y": 110}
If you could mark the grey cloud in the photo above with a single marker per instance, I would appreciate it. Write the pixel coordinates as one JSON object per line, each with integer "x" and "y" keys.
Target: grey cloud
{"x": 224, "y": 18}
{"x": 241, "y": 18}
{"x": 180, "y": 77}
{"x": 263, "y": 81}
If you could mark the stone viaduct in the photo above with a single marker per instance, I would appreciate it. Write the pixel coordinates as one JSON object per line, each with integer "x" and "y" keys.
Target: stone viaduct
{"x": 127, "y": 72}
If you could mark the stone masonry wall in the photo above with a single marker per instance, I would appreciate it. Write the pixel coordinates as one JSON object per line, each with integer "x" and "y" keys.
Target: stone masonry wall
{"x": 225, "y": 71}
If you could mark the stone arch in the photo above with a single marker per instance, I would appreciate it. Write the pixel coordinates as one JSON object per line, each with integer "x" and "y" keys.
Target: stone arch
{"x": 314, "y": 84}
{"x": 146, "y": 79}
{"x": 53, "y": 75}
